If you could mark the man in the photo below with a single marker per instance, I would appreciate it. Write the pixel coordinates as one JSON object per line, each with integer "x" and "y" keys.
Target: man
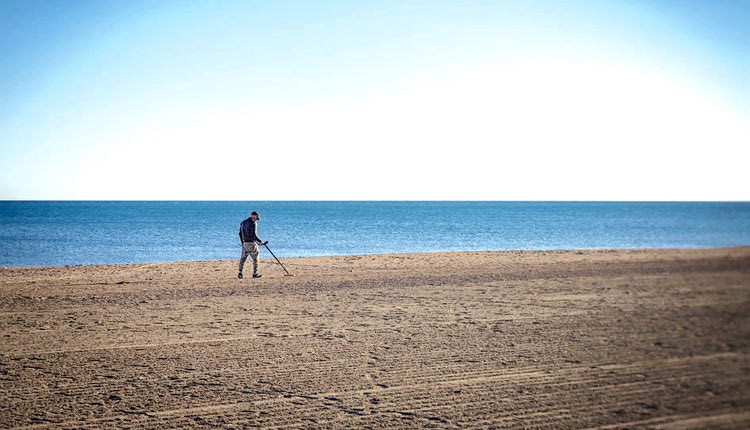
{"x": 250, "y": 241}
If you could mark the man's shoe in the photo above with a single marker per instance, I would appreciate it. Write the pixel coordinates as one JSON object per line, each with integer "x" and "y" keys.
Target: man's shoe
{"x": 239, "y": 275}
{"x": 255, "y": 275}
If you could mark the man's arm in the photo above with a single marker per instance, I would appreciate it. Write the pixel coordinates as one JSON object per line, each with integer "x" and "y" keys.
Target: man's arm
{"x": 255, "y": 233}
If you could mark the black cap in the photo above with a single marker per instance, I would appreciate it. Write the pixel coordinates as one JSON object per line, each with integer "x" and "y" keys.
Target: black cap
{"x": 256, "y": 214}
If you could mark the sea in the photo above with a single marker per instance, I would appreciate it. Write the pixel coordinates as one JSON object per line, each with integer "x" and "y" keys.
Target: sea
{"x": 57, "y": 233}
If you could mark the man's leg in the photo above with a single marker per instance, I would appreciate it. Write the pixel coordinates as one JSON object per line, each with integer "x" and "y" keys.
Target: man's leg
{"x": 254, "y": 254}
{"x": 244, "y": 257}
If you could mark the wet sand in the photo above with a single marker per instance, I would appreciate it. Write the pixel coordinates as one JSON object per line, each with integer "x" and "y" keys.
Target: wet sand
{"x": 563, "y": 339}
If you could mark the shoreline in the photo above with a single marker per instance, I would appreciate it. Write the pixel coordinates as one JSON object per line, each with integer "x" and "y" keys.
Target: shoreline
{"x": 512, "y": 339}
{"x": 514, "y": 251}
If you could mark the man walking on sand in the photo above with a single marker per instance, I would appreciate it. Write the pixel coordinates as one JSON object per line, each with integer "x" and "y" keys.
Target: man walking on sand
{"x": 250, "y": 241}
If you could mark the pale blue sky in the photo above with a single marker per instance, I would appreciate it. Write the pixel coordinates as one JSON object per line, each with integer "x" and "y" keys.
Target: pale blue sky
{"x": 565, "y": 100}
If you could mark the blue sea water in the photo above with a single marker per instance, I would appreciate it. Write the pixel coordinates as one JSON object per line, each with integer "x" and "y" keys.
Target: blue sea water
{"x": 53, "y": 233}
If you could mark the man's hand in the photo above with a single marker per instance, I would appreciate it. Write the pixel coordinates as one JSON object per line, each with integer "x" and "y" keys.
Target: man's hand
{"x": 264, "y": 243}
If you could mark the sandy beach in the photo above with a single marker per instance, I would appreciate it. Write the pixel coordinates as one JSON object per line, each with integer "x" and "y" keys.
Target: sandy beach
{"x": 558, "y": 339}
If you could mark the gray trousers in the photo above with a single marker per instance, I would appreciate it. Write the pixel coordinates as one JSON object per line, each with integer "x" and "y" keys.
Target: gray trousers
{"x": 251, "y": 249}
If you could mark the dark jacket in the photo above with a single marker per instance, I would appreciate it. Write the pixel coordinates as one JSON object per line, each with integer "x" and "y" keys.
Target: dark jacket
{"x": 249, "y": 231}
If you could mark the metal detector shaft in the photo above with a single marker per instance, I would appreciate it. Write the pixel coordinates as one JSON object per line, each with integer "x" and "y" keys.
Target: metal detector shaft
{"x": 277, "y": 260}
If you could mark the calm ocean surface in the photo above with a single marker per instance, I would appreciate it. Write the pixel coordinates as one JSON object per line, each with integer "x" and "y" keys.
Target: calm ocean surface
{"x": 46, "y": 233}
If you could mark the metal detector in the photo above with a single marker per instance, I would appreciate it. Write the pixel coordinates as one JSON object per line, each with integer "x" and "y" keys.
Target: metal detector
{"x": 277, "y": 260}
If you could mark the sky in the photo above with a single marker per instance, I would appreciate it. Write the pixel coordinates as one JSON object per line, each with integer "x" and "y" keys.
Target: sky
{"x": 374, "y": 100}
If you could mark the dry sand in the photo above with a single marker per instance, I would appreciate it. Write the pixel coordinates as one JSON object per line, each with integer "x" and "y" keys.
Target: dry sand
{"x": 573, "y": 339}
